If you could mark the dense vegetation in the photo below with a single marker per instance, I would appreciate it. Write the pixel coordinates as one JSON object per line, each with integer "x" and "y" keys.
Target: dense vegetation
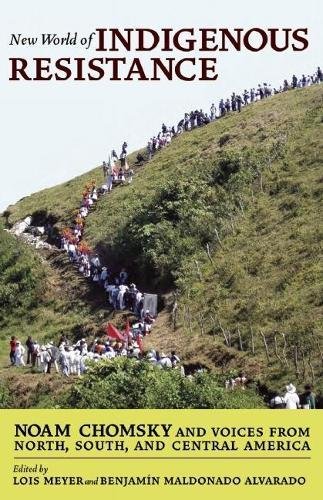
{"x": 21, "y": 278}
{"x": 229, "y": 216}
{"x": 36, "y": 298}
{"x": 125, "y": 383}
{"x": 41, "y": 298}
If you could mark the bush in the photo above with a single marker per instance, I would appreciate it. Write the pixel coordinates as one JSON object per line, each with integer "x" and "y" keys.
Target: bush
{"x": 126, "y": 383}
{"x": 5, "y": 398}
{"x": 21, "y": 276}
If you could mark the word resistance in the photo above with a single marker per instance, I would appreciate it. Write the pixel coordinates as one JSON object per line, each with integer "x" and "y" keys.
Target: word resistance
{"x": 113, "y": 69}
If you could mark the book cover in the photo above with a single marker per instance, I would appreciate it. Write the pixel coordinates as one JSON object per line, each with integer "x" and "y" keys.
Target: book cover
{"x": 160, "y": 249}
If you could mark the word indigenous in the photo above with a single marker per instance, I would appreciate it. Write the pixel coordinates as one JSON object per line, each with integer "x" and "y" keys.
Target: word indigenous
{"x": 115, "y": 43}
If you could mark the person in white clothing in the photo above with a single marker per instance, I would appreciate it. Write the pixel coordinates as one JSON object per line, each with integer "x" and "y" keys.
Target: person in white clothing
{"x": 84, "y": 212}
{"x": 81, "y": 345}
{"x": 35, "y": 354}
{"x": 77, "y": 363}
{"x": 71, "y": 251}
{"x": 54, "y": 353}
{"x": 44, "y": 358}
{"x": 122, "y": 291}
{"x": 291, "y": 398}
{"x": 20, "y": 351}
{"x": 109, "y": 353}
{"x": 164, "y": 361}
{"x": 71, "y": 361}
{"x": 103, "y": 275}
{"x": 109, "y": 181}
{"x": 64, "y": 360}
{"x": 96, "y": 276}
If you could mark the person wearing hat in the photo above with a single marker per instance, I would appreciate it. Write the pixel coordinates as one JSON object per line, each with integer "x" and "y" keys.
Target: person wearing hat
{"x": 103, "y": 275}
{"x": 291, "y": 398}
{"x": 48, "y": 358}
{"x": 120, "y": 298}
{"x": 35, "y": 354}
{"x": 44, "y": 357}
{"x": 64, "y": 360}
{"x": 54, "y": 354}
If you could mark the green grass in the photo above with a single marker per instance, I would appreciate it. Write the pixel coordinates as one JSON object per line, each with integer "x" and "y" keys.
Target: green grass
{"x": 59, "y": 202}
{"x": 248, "y": 187}
{"x": 42, "y": 298}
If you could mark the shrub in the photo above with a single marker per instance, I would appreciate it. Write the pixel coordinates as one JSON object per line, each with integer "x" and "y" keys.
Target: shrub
{"x": 21, "y": 276}
{"x": 125, "y": 383}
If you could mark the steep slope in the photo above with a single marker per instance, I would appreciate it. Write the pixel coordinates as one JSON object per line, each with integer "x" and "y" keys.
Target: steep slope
{"x": 57, "y": 203}
{"x": 227, "y": 217}
{"x": 42, "y": 296}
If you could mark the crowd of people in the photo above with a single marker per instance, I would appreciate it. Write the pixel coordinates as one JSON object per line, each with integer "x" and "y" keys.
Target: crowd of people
{"x": 72, "y": 359}
{"x": 120, "y": 293}
{"x": 235, "y": 102}
{"x": 114, "y": 174}
{"x": 292, "y": 401}
{"x": 240, "y": 381}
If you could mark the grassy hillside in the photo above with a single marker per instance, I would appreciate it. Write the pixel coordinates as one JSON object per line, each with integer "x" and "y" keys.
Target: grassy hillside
{"x": 226, "y": 223}
{"x": 59, "y": 202}
{"x": 230, "y": 216}
{"x": 41, "y": 296}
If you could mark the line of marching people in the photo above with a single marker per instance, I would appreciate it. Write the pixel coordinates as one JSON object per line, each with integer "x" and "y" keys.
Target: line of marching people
{"x": 72, "y": 359}
{"x": 89, "y": 264}
{"x": 199, "y": 118}
{"x": 120, "y": 293}
{"x": 113, "y": 174}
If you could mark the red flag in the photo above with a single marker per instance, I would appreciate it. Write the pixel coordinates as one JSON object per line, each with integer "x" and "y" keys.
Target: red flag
{"x": 114, "y": 333}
